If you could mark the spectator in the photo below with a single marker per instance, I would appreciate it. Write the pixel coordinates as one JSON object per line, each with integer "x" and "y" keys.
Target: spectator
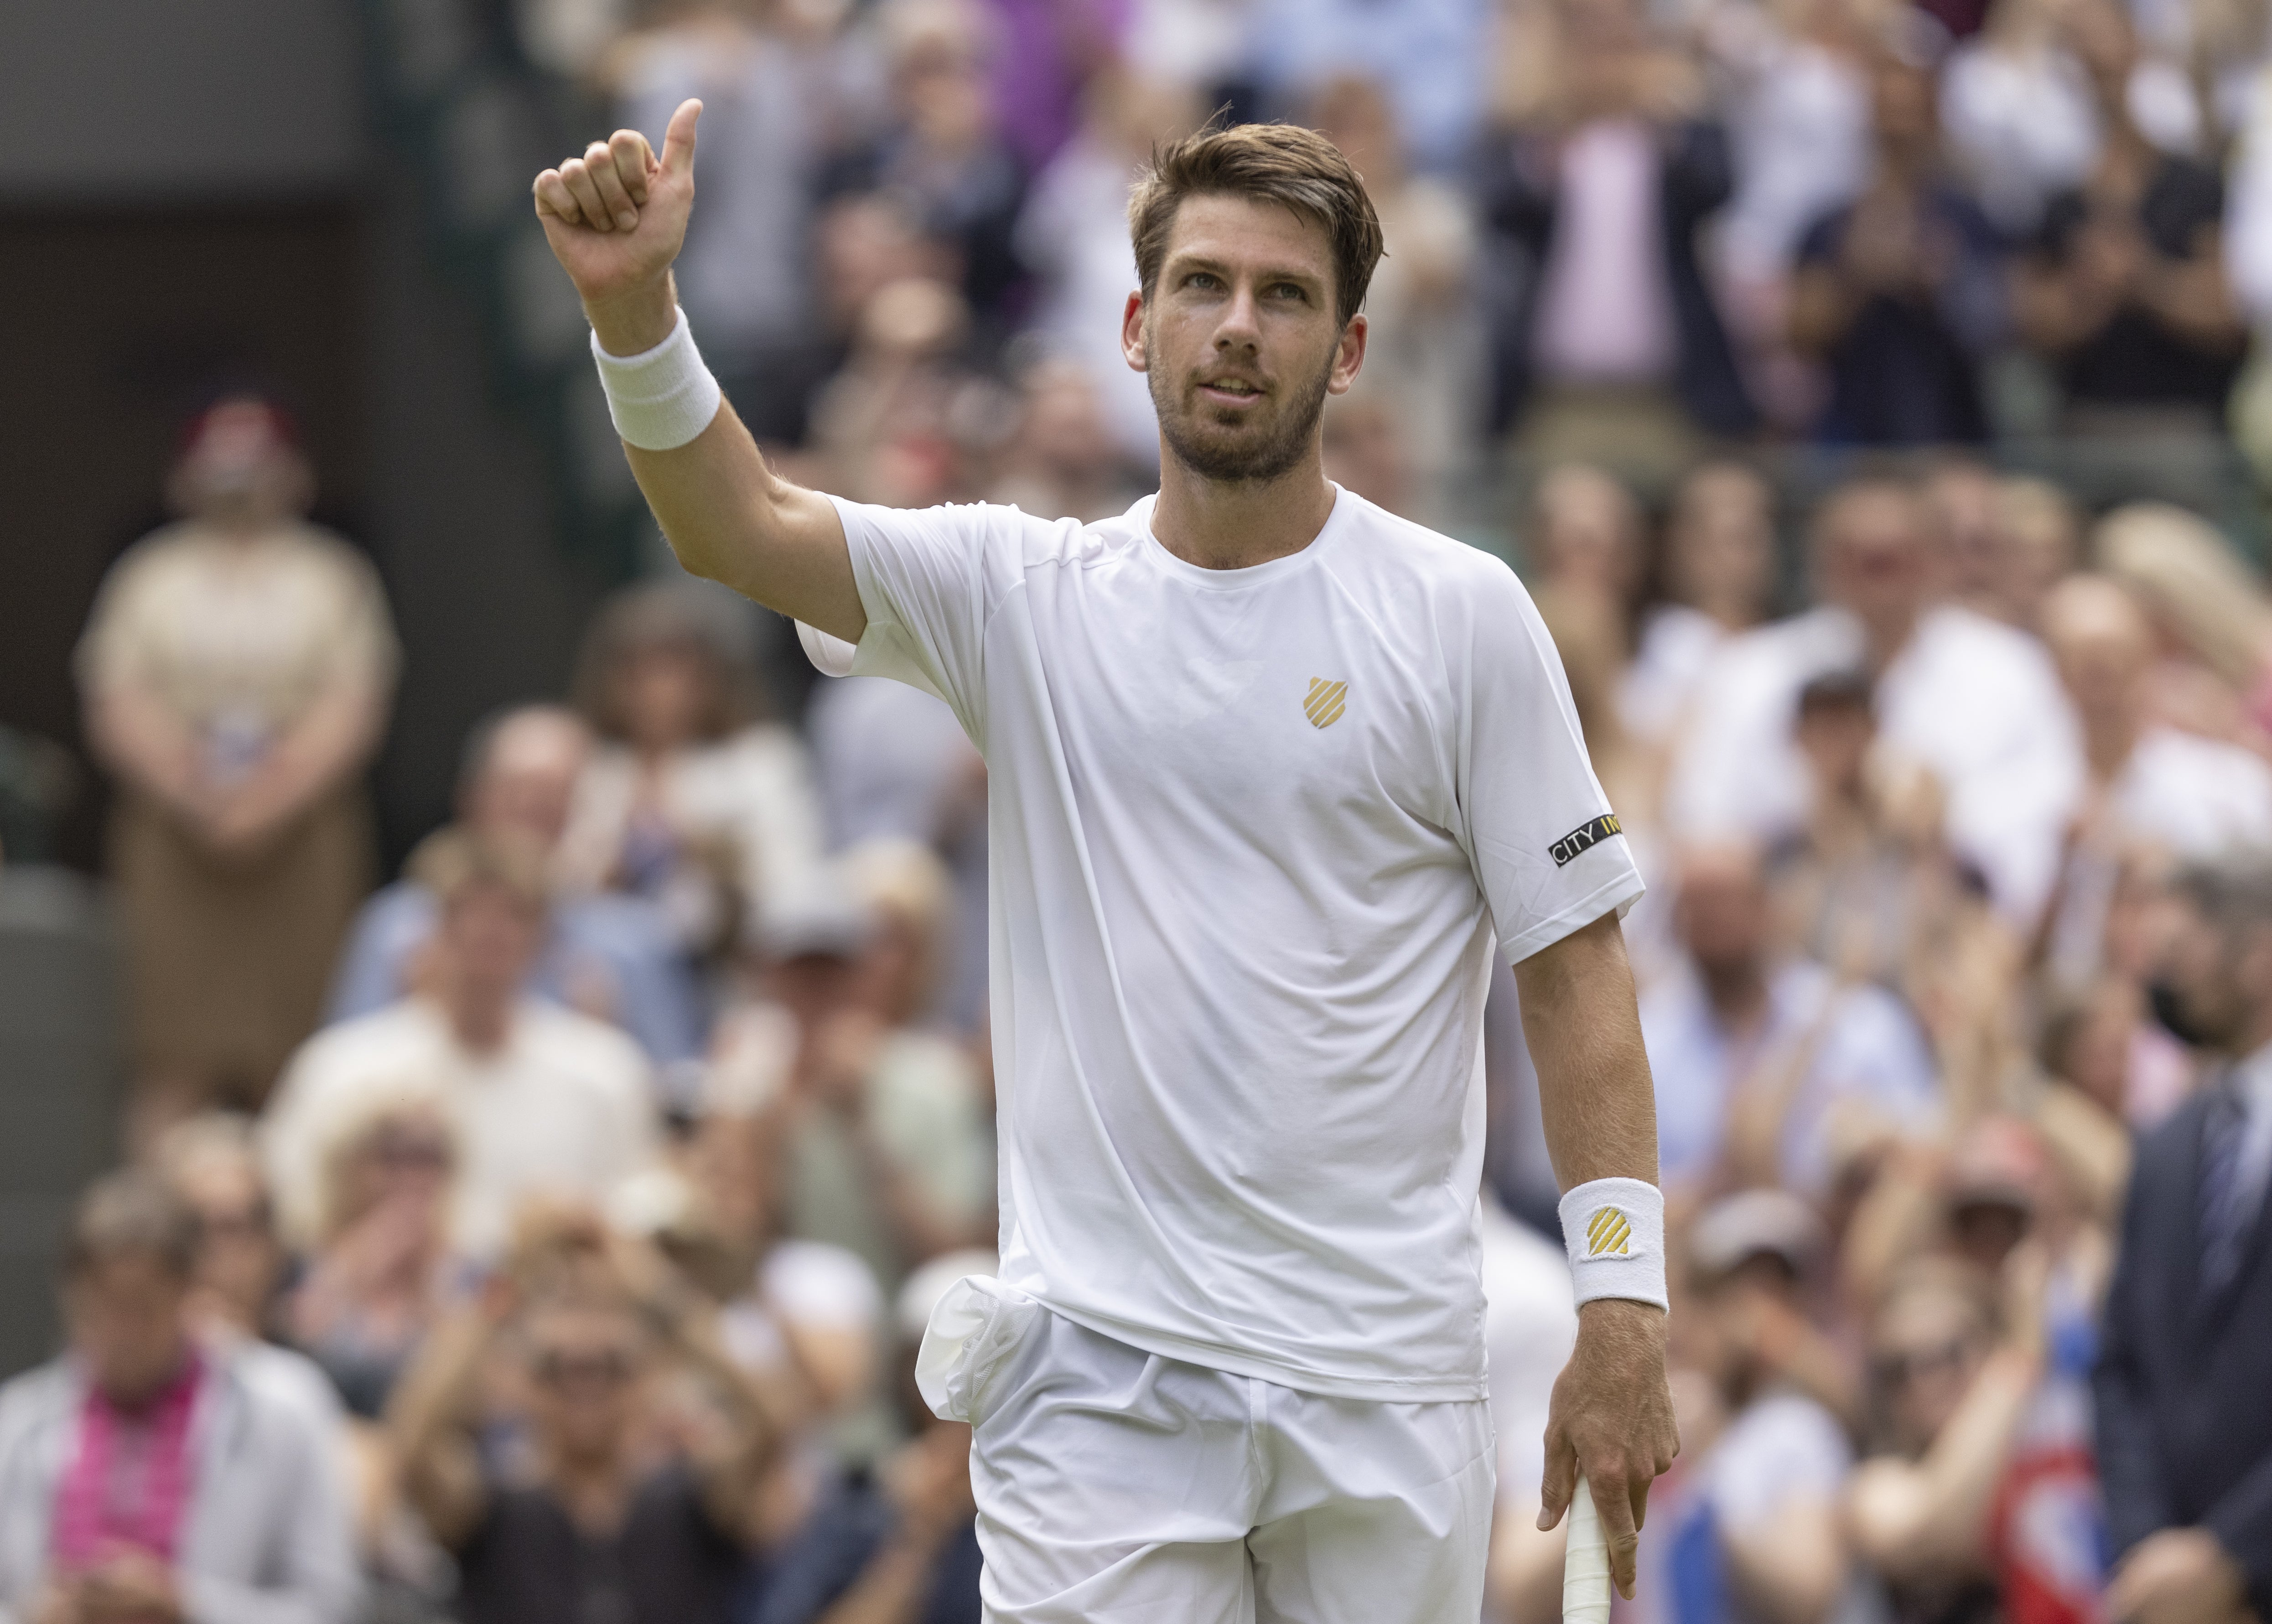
{"x": 1049, "y": 52}
{"x": 1718, "y": 578}
{"x": 943, "y": 158}
{"x": 1952, "y": 1385}
{"x": 1757, "y": 1061}
{"x": 213, "y": 1163}
{"x": 594, "y": 1527}
{"x": 1900, "y": 294}
{"x": 1750, "y": 1529}
{"x": 2150, "y": 785}
{"x": 1367, "y": 451}
{"x": 541, "y": 1099}
{"x": 1429, "y": 57}
{"x": 609, "y": 955}
{"x": 235, "y": 672}
{"x": 887, "y": 1148}
{"x": 1976, "y": 703}
{"x": 1609, "y": 349}
{"x": 2019, "y": 113}
{"x": 744, "y": 275}
{"x": 2184, "y": 1439}
{"x": 696, "y": 799}
{"x": 884, "y": 425}
{"x": 1586, "y": 537}
{"x": 902, "y": 1547}
{"x": 1073, "y": 234}
{"x": 2124, "y": 289}
{"x": 2210, "y": 610}
{"x": 143, "y": 1476}
{"x": 2037, "y": 537}
{"x": 1425, "y": 355}
{"x": 379, "y": 1264}
{"x": 1061, "y": 462}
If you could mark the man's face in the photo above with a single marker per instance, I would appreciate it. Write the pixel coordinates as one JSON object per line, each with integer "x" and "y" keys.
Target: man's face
{"x": 1240, "y": 338}
{"x": 1875, "y": 556}
{"x": 583, "y": 1368}
{"x": 1722, "y": 913}
{"x": 125, "y": 1315}
{"x": 2209, "y": 975}
{"x": 529, "y": 780}
{"x": 489, "y": 937}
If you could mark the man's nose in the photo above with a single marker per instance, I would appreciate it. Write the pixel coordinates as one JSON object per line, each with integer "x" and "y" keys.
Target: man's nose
{"x": 1241, "y": 327}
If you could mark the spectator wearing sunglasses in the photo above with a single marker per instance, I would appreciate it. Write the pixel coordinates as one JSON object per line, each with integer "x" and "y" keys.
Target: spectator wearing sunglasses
{"x": 628, "y": 1494}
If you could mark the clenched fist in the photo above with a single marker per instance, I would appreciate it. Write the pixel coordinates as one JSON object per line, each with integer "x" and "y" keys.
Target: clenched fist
{"x": 616, "y": 219}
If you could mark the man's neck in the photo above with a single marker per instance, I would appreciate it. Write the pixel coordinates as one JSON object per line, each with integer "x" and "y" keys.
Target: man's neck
{"x": 1236, "y": 523}
{"x": 1884, "y": 639}
{"x": 482, "y": 1024}
{"x": 2108, "y": 738}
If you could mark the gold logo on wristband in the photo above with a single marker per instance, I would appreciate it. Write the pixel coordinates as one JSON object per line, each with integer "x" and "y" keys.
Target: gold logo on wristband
{"x": 1607, "y": 1233}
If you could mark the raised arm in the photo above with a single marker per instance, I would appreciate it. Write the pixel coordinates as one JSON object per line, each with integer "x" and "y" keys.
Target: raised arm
{"x": 616, "y": 219}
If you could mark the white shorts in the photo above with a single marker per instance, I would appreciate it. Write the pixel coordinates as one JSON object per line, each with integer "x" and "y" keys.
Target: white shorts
{"x": 1118, "y": 1484}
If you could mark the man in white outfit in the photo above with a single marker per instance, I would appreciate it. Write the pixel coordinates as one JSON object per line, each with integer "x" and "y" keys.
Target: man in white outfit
{"x": 1273, "y": 774}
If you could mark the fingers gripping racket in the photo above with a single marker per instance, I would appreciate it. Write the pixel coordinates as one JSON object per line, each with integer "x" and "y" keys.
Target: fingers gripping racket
{"x": 1586, "y": 1563}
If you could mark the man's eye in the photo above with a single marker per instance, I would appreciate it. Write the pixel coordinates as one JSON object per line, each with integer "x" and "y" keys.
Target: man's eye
{"x": 1202, "y": 279}
{"x": 1289, "y": 290}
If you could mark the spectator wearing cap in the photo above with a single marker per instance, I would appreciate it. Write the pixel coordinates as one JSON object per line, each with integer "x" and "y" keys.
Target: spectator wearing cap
{"x": 150, "y": 1475}
{"x": 540, "y": 1098}
{"x": 606, "y": 953}
{"x": 886, "y": 1143}
{"x": 1760, "y": 1059}
{"x": 1976, "y": 703}
{"x": 1748, "y": 1527}
{"x": 1900, "y": 294}
{"x": 697, "y": 799}
{"x": 235, "y": 671}
{"x": 2184, "y": 1434}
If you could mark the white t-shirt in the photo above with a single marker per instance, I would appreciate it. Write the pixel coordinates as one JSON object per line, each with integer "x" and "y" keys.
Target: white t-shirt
{"x": 1254, "y": 835}
{"x": 1973, "y": 700}
{"x": 565, "y": 1107}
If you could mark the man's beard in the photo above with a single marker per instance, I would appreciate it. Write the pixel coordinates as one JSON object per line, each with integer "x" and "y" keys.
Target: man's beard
{"x": 1229, "y": 464}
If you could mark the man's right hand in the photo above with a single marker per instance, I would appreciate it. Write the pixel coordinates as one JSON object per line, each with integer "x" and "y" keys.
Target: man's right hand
{"x": 616, "y": 218}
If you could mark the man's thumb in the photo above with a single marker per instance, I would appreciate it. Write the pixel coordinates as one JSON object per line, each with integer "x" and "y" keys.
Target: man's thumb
{"x": 678, "y": 141}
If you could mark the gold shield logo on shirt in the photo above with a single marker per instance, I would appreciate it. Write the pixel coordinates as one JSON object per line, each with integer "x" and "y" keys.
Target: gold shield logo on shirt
{"x": 1607, "y": 1233}
{"x": 1325, "y": 703}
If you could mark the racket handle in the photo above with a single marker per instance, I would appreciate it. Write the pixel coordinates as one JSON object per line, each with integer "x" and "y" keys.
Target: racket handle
{"x": 1585, "y": 1563}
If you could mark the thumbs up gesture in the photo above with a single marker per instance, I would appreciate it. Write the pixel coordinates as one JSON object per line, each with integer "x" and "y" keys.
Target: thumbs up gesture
{"x": 616, "y": 218}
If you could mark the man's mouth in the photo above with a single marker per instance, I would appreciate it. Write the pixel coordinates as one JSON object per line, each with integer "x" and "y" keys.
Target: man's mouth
{"x": 1232, "y": 389}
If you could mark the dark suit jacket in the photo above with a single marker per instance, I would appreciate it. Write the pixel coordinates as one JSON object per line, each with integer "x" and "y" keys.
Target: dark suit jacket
{"x": 1518, "y": 178}
{"x": 2184, "y": 1383}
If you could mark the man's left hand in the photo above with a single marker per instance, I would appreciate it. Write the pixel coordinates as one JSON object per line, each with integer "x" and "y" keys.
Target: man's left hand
{"x": 131, "y": 1587}
{"x": 1610, "y": 1417}
{"x": 2178, "y": 1576}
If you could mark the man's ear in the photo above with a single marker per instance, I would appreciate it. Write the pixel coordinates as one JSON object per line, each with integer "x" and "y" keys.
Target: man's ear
{"x": 1348, "y": 357}
{"x": 1132, "y": 333}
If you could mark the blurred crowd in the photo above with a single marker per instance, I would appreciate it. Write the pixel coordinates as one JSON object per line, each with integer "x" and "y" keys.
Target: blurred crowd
{"x": 545, "y": 1234}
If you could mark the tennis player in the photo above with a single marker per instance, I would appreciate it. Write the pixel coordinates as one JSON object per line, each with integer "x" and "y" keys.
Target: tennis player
{"x": 1273, "y": 774}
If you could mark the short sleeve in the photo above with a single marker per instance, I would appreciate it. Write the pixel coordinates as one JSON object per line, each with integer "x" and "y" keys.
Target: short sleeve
{"x": 924, "y": 579}
{"x": 1545, "y": 844}
{"x": 119, "y": 636}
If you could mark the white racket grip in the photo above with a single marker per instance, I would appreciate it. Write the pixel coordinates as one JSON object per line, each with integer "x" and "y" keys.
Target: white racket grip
{"x": 1585, "y": 1563}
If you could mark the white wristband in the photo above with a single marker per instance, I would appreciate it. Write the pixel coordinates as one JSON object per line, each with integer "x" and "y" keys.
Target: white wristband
{"x": 662, "y": 397}
{"x": 1615, "y": 1232}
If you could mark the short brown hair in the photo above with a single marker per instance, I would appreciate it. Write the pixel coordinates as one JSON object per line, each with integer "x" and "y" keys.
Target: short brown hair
{"x": 1284, "y": 164}
{"x": 132, "y": 1213}
{"x": 451, "y": 862}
